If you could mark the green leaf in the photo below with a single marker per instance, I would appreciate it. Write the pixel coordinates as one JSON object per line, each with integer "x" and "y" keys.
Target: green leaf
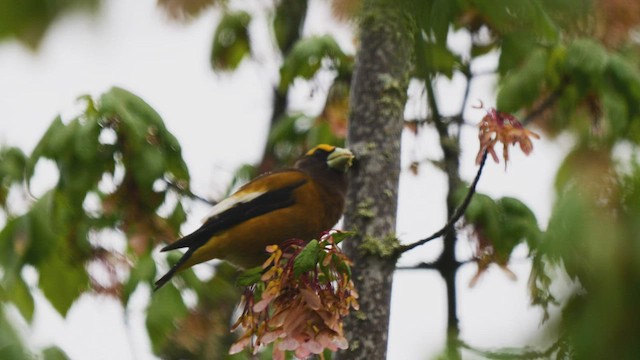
{"x": 13, "y": 163}
{"x": 306, "y": 57}
{"x": 176, "y": 168}
{"x": 478, "y": 50}
{"x": 518, "y": 224}
{"x": 515, "y": 207}
{"x": 19, "y": 294}
{"x": 164, "y": 311}
{"x": 526, "y": 16}
{"x": 341, "y": 235}
{"x": 521, "y": 26}
{"x": 286, "y": 129}
{"x": 54, "y": 353}
{"x": 143, "y": 271}
{"x": 288, "y": 21}
{"x": 586, "y": 57}
{"x": 76, "y": 150}
{"x": 521, "y": 87}
{"x": 307, "y": 259}
{"x": 29, "y": 21}
{"x": 148, "y": 165}
{"x": 625, "y": 76}
{"x": 178, "y": 216}
{"x": 13, "y": 242}
{"x": 85, "y": 140}
{"x": 320, "y": 133}
{"x": 139, "y": 119}
{"x": 35, "y": 231}
{"x": 582, "y": 166}
{"x": 568, "y": 224}
{"x": 231, "y": 41}
{"x": 54, "y": 140}
{"x": 441, "y": 17}
{"x": 515, "y": 48}
{"x": 249, "y": 276}
{"x": 62, "y": 281}
{"x": 148, "y": 148}
{"x": 438, "y": 58}
{"x": 11, "y": 346}
{"x": 616, "y": 113}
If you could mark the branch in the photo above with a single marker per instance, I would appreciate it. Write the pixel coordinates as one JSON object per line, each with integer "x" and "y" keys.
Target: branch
{"x": 454, "y": 218}
{"x": 186, "y": 192}
{"x": 429, "y": 120}
{"x": 545, "y": 104}
{"x": 525, "y": 355}
{"x": 420, "y": 266}
{"x": 432, "y": 265}
{"x": 467, "y": 89}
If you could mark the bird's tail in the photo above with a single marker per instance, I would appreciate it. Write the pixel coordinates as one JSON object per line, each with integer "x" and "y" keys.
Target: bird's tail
{"x": 166, "y": 277}
{"x": 193, "y": 241}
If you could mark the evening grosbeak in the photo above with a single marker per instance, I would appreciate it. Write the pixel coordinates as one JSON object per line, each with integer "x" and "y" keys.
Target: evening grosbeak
{"x": 297, "y": 203}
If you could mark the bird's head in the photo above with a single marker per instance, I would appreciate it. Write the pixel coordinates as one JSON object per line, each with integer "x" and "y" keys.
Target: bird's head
{"x": 328, "y": 156}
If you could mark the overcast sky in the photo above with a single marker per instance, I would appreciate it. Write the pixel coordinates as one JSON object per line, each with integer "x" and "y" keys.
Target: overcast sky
{"x": 221, "y": 121}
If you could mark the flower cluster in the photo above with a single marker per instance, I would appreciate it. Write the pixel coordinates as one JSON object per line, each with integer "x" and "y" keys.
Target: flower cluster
{"x": 297, "y": 299}
{"x": 501, "y": 127}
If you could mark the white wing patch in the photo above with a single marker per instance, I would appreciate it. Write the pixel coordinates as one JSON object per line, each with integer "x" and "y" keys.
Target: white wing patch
{"x": 232, "y": 201}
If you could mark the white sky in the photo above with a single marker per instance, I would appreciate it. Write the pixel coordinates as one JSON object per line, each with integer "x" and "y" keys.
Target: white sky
{"x": 221, "y": 121}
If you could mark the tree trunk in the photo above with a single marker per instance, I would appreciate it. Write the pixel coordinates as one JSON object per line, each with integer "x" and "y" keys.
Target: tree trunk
{"x": 378, "y": 97}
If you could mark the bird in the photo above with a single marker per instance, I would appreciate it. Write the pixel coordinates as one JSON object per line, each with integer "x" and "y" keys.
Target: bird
{"x": 296, "y": 203}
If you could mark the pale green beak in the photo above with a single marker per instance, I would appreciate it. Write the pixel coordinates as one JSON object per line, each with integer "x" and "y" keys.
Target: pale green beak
{"x": 340, "y": 159}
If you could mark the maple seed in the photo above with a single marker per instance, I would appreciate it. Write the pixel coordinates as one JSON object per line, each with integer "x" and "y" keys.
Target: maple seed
{"x": 497, "y": 126}
{"x": 299, "y": 301}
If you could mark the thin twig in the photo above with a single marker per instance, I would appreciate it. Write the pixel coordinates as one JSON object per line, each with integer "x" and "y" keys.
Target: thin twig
{"x": 457, "y": 214}
{"x": 420, "y": 266}
{"x": 186, "y": 192}
{"x": 467, "y": 89}
{"x": 432, "y": 265}
{"x": 545, "y": 104}
{"x": 485, "y": 72}
{"x": 526, "y": 355}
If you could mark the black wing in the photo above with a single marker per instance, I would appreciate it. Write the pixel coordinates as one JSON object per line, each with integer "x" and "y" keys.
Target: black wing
{"x": 265, "y": 203}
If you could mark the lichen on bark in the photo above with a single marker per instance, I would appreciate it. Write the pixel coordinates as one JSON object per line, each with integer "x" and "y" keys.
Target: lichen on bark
{"x": 378, "y": 96}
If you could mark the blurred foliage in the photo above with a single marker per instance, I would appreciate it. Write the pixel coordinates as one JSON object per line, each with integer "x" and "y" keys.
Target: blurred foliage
{"x": 12, "y": 164}
{"x": 303, "y": 58}
{"x": 292, "y": 132}
{"x": 231, "y": 41}
{"x": 569, "y": 66}
{"x": 306, "y": 56}
{"x": 28, "y": 20}
{"x": 187, "y": 9}
{"x": 593, "y": 232}
{"x": 497, "y": 227}
{"x": 11, "y": 345}
{"x": 287, "y": 23}
{"x": 114, "y": 162}
{"x": 110, "y": 161}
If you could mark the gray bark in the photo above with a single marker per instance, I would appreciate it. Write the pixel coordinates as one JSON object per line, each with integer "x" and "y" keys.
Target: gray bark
{"x": 378, "y": 97}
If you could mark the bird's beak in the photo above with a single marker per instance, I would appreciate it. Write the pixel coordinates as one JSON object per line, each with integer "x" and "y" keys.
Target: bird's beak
{"x": 340, "y": 159}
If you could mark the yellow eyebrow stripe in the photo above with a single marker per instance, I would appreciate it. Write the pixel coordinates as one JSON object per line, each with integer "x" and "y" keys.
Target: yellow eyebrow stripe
{"x": 325, "y": 147}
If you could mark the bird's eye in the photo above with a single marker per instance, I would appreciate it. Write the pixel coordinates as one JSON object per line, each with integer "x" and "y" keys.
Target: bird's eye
{"x": 321, "y": 154}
